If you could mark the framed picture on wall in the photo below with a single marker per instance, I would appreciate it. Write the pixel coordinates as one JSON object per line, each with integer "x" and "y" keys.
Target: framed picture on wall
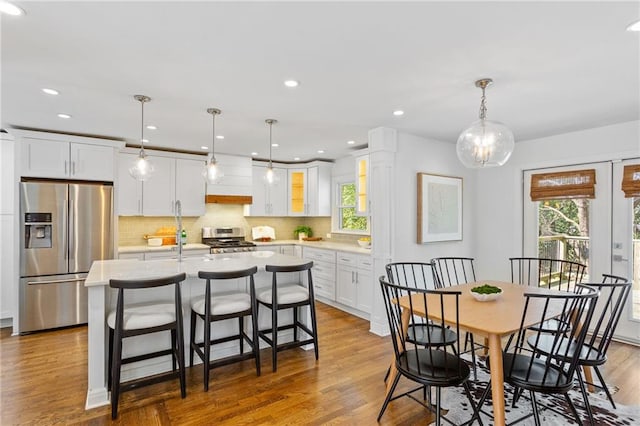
{"x": 439, "y": 208}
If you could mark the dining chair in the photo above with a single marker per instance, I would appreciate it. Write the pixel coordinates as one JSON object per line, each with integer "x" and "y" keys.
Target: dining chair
{"x": 556, "y": 274}
{"x": 430, "y": 365}
{"x": 593, "y": 352}
{"x": 420, "y": 275}
{"x": 553, "y": 373}
{"x": 222, "y": 306}
{"x": 145, "y": 318}
{"x": 455, "y": 271}
{"x": 288, "y": 296}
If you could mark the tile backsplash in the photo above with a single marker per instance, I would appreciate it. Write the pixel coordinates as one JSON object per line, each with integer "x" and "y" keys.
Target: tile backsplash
{"x": 131, "y": 229}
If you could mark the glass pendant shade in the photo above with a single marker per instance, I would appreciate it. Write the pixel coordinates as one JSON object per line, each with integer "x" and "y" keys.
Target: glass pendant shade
{"x": 485, "y": 143}
{"x": 212, "y": 173}
{"x": 270, "y": 177}
{"x": 141, "y": 169}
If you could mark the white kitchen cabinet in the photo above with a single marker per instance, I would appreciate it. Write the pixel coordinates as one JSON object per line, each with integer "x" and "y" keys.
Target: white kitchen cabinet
{"x": 288, "y": 249}
{"x": 362, "y": 185}
{"x": 190, "y": 186}
{"x": 269, "y": 199}
{"x": 173, "y": 179}
{"x": 323, "y": 271}
{"x": 353, "y": 281}
{"x": 309, "y": 190}
{"x": 66, "y": 160}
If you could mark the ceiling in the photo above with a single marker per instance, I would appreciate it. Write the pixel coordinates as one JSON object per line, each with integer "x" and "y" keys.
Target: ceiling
{"x": 557, "y": 67}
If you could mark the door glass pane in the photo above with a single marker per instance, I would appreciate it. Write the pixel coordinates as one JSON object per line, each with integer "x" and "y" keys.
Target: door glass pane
{"x": 636, "y": 258}
{"x": 563, "y": 231}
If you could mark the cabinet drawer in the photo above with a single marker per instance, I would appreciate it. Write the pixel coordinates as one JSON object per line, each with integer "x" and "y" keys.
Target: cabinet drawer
{"x": 323, "y": 270}
{"x": 324, "y": 288}
{"x": 347, "y": 259}
{"x": 365, "y": 262}
{"x": 319, "y": 254}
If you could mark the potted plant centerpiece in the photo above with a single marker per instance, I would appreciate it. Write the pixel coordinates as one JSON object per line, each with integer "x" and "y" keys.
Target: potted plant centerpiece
{"x": 302, "y": 231}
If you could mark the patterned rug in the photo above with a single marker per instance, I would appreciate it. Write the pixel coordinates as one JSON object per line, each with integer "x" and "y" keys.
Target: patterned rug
{"x": 553, "y": 409}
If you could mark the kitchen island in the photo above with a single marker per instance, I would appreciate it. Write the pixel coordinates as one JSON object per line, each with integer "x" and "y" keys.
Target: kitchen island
{"x": 102, "y": 299}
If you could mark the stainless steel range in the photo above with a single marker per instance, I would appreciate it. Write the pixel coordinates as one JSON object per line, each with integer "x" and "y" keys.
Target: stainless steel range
{"x": 228, "y": 240}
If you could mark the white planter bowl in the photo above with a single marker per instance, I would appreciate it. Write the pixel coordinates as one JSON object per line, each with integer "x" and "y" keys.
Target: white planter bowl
{"x": 364, "y": 244}
{"x": 485, "y": 297}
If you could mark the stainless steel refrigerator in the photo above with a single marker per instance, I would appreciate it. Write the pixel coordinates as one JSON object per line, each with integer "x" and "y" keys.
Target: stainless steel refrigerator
{"x": 65, "y": 226}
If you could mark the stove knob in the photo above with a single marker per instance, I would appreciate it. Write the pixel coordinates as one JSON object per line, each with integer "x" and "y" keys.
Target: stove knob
{"x": 237, "y": 249}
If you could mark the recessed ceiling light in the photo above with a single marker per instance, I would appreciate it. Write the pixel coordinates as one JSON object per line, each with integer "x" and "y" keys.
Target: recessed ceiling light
{"x": 10, "y": 9}
{"x": 634, "y": 27}
{"x": 296, "y": 158}
{"x": 351, "y": 142}
{"x": 50, "y": 91}
{"x": 219, "y": 137}
{"x": 291, "y": 83}
{"x": 321, "y": 151}
{"x": 254, "y": 153}
{"x": 275, "y": 145}
{"x": 398, "y": 112}
{"x": 145, "y": 140}
{"x": 61, "y": 115}
{"x": 152, "y": 127}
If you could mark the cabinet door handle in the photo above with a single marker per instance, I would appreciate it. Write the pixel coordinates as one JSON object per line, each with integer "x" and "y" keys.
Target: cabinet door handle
{"x": 139, "y": 207}
{"x": 73, "y": 167}
{"x": 65, "y": 167}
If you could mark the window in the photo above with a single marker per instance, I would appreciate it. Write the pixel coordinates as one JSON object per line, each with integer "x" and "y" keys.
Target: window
{"x": 347, "y": 219}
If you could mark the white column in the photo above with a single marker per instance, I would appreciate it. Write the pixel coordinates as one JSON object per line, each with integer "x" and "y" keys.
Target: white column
{"x": 382, "y": 148}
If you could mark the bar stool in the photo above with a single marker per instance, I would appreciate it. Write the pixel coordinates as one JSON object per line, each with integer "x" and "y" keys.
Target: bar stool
{"x": 289, "y": 296}
{"x": 219, "y": 307}
{"x": 145, "y": 318}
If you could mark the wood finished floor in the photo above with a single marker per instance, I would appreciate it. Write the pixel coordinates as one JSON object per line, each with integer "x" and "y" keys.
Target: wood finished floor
{"x": 43, "y": 380}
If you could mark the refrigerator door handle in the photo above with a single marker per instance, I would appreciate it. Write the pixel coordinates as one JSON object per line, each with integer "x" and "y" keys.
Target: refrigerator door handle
{"x": 56, "y": 281}
{"x": 72, "y": 231}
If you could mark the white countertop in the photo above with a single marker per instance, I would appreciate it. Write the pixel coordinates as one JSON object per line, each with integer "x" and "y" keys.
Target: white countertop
{"x": 322, "y": 244}
{"x": 146, "y": 249}
{"x": 103, "y": 270}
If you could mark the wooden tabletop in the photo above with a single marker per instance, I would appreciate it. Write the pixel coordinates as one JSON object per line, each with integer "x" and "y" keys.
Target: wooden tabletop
{"x": 500, "y": 317}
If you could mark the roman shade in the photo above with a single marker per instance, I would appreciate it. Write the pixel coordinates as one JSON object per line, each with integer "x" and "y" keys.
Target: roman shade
{"x": 573, "y": 184}
{"x": 631, "y": 181}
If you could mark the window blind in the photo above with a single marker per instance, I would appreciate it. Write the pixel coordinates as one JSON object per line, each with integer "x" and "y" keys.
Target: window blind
{"x": 631, "y": 180}
{"x": 573, "y": 184}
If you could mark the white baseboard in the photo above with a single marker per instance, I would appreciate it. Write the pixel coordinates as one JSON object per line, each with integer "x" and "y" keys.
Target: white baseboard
{"x": 97, "y": 398}
{"x": 6, "y": 322}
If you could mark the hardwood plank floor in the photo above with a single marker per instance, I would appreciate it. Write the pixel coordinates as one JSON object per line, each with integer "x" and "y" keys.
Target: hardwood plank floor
{"x": 43, "y": 381}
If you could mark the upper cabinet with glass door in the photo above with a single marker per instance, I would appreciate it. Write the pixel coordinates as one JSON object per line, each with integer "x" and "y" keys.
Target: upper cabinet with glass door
{"x": 362, "y": 185}
{"x": 309, "y": 190}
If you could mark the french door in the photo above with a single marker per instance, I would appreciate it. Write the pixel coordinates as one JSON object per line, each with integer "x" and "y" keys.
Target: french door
{"x": 598, "y": 232}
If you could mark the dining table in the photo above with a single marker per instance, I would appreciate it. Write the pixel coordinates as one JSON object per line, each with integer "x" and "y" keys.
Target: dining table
{"x": 492, "y": 320}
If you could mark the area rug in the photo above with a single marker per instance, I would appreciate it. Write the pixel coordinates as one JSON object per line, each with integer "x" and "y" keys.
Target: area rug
{"x": 553, "y": 409}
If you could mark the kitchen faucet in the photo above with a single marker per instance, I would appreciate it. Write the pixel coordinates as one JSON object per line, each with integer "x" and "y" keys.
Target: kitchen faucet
{"x": 178, "y": 210}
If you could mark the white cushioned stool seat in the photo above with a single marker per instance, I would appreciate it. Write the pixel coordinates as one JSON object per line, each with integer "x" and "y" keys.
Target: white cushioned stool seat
{"x": 223, "y": 303}
{"x": 286, "y": 294}
{"x": 144, "y": 315}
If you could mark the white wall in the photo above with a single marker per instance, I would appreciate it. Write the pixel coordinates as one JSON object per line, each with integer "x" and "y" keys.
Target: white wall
{"x": 498, "y": 208}
{"x": 418, "y": 155}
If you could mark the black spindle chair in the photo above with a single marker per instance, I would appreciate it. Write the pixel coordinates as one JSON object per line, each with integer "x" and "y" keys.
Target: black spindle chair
{"x": 526, "y": 368}
{"x": 593, "y": 352}
{"x": 145, "y": 318}
{"x": 429, "y": 365}
{"x": 454, "y": 271}
{"x": 555, "y": 274}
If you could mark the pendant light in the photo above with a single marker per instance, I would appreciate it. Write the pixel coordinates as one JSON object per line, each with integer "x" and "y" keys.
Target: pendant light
{"x": 270, "y": 177}
{"x": 485, "y": 143}
{"x": 212, "y": 173}
{"x": 142, "y": 168}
